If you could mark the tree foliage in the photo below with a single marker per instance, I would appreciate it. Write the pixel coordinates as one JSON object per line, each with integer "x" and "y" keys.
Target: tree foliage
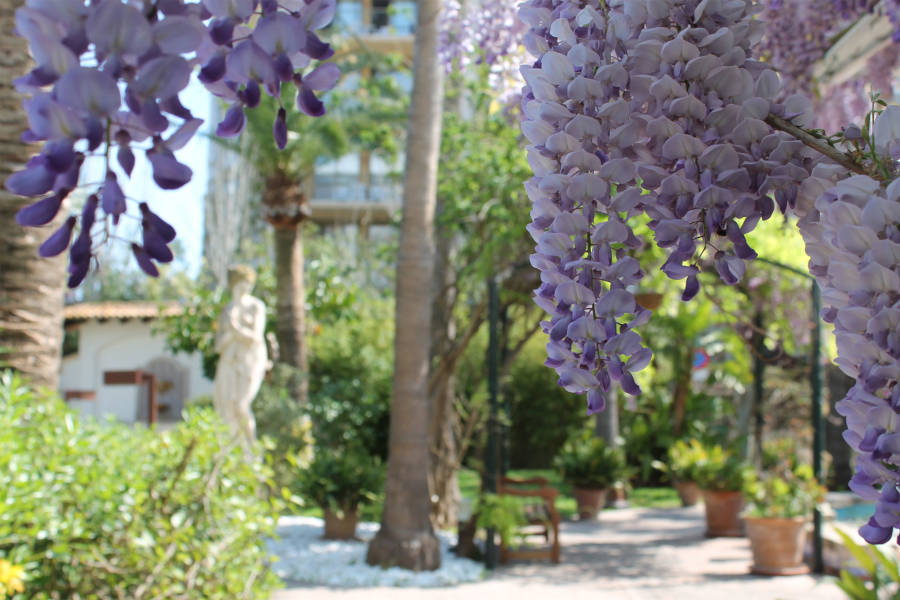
{"x": 102, "y": 509}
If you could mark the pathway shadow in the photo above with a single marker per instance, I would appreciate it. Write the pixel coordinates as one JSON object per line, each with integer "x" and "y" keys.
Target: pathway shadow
{"x": 639, "y": 564}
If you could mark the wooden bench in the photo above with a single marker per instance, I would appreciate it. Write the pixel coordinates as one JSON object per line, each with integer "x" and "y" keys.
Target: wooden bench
{"x": 543, "y": 519}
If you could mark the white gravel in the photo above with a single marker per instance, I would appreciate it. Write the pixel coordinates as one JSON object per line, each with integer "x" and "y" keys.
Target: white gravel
{"x": 304, "y": 557}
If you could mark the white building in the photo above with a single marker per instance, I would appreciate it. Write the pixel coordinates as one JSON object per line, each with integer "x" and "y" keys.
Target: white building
{"x": 118, "y": 336}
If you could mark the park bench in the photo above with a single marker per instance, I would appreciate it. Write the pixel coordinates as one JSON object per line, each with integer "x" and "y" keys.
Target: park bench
{"x": 542, "y": 518}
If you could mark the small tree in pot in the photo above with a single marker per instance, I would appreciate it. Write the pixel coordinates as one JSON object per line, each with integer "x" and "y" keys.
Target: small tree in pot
{"x": 339, "y": 482}
{"x": 721, "y": 475}
{"x": 684, "y": 469}
{"x": 591, "y": 467}
{"x": 779, "y": 504}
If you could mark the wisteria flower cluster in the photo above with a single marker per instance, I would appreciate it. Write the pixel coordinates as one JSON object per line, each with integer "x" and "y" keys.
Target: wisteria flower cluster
{"x": 660, "y": 108}
{"x": 107, "y": 79}
{"x": 853, "y": 240}
{"x": 647, "y": 107}
{"x": 799, "y": 33}
{"x": 484, "y": 32}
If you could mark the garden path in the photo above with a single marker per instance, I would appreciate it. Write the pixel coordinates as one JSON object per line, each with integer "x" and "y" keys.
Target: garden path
{"x": 629, "y": 554}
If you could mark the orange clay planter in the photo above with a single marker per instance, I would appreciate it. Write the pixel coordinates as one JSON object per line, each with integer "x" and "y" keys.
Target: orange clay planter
{"x": 340, "y": 526}
{"x": 589, "y": 501}
{"x": 723, "y": 511}
{"x": 688, "y": 492}
{"x": 777, "y": 545}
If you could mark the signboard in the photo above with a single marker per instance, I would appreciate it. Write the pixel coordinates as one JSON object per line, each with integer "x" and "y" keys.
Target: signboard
{"x": 700, "y": 359}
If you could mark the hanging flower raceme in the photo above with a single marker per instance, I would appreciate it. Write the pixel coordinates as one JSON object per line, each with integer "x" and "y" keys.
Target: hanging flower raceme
{"x": 660, "y": 108}
{"x": 646, "y": 107}
{"x": 853, "y": 240}
{"x": 107, "y": 80}
{"x": 484, "y": 32}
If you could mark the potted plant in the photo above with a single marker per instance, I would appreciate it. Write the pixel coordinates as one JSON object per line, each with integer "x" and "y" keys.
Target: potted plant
{"x": 721, "y": 476}
{"x": 339, "y": 482}
{"x": 591, "y": 467}
{"x": 779, "y": 504}
{"x": 683, "y": 468}
{"x": 503, "y": 514}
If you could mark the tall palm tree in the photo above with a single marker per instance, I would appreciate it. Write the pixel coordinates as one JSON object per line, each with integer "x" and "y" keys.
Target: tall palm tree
{"x": 406, "y": 538}
{"x": 366, "y": 118}
{"x": 31, "y": 288}
{"x": 284, "y": 178}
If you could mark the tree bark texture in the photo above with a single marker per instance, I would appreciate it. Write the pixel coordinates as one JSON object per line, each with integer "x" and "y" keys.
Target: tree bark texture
{"x": 683, "y": 365}
{"x": 31, "y": 288}
{"x": 444, "y": 465}
{"x": 406, "y": 538}
{"x": 284, "y": 204}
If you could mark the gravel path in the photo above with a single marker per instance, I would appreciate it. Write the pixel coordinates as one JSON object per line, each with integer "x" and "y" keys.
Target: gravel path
{"x": 633, "y": 554}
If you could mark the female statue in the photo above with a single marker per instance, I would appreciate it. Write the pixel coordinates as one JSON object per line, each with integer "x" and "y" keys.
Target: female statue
{"x": 242, "y": 355}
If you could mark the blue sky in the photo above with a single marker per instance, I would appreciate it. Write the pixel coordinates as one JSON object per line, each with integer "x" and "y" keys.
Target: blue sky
{"x": 183, "y": 208}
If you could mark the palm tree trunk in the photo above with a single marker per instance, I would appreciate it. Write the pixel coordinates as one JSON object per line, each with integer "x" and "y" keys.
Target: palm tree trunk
{"x": 406, "y": 538}
{"x": 291, "y": 308}
{"x": 285, "y": 206}
{"x": 31, "y": 288}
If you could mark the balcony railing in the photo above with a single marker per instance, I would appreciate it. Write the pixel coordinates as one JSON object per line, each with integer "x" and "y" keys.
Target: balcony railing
{"x": 399, "y": 18}
{"x": 348, "y": 189}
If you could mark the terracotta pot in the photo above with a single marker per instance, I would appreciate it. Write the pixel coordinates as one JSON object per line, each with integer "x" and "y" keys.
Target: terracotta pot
{"x": 589, "y": 501}
{"x": 340, "y": 527}
{"x": 777, "y": 545}
{"x": 688, "y": 492}
{"x": 723, "y": 513}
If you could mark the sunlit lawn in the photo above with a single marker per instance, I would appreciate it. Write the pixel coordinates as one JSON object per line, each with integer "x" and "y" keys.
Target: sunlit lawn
{"x": 654, "y": 497}
{"x": 661, "y": 497}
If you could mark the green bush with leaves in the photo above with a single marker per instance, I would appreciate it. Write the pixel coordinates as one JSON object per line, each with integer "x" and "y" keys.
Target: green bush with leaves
{"x": 504, "y": 514}
{"x": 282, "y": 426}
{"x": 685, "y": 458}
{"x": 722, "y": 470}
{"x": 875, "y": 576}
{"x": 589, "y": 462}
{"x": 351, "y": 367}
{"x": 341, "y": 481}
{"x": 536, "y": 434}
{"x": 105, "y": 510}
{"x": 784, "y": 488}
{"x": 193, "y": 329}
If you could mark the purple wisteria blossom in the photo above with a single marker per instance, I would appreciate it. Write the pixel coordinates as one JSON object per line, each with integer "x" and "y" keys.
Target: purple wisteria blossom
{"x": 661, "y": 108}
{"x": 853, "y": 240}
{"x": 644, "y": 108}
{"x": 484, "y": 32}
{"x": 107, "y": 80}
{"x": 798, "y": 34}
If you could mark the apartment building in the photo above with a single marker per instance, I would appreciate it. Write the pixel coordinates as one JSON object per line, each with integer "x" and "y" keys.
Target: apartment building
{"x": 355, "y": 196}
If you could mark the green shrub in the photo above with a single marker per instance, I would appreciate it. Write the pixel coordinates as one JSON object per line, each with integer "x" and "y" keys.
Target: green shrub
{"x": 685, "y": 459}
{"x": 351, "y": 369}
{"x": 536, "y": 434}
{"x": 282, "y": 426}
{"x": 875, "y": 574}
{"x": 784, "y": 488}
{"x": 341, "y": 481}
{"x": 504, "y": 514}
{"x": 722, "y": 470}
{"x": 104, "y": 510}
{"x": 588, "y": 462}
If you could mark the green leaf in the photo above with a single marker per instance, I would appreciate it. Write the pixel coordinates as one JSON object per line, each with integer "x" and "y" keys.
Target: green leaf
{"x": 862, "y": 554}
{"x": 854, "y": 587}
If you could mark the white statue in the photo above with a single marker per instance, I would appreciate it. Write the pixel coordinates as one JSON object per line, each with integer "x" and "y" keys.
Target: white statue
{"x": 242, "y": 355}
